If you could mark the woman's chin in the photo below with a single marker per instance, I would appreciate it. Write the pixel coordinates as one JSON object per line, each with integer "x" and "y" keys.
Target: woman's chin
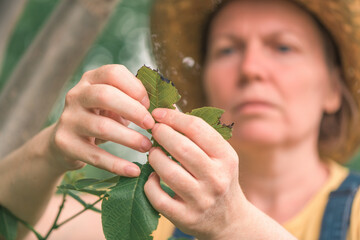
{"x": 261, "y": 135}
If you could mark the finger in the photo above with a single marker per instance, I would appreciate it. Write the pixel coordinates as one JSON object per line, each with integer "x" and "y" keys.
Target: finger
{"x": 201, "y": 133}
{"x": 183, "y": 149}
{"x": 161, "y": 201}
{"x": 115, "y": 117}
{"x": 120, "y": 77}
{"x": 175, "y": 176}
{"x": 81, "y": 150}
{"x": 100, "y": 127}
{"x": 108, "y": 98}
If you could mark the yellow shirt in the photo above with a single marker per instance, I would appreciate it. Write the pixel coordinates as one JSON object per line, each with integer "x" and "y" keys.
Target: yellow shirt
{"x": 307, "y": 223}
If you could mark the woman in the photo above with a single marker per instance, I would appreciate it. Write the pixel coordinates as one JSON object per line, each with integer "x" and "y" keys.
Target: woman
{"x": 268, "y": 64}
{"x": 275, "y": 69}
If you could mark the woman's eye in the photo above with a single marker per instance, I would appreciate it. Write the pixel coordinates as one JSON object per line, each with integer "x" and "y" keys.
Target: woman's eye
{"x": 283, "y": 48}
{"x": 225, "y": 51}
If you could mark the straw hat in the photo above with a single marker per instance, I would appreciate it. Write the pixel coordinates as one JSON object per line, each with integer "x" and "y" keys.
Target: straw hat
{"x": 177, "y": 25}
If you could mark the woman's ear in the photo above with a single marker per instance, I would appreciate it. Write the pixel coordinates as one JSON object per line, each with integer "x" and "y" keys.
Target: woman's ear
{"x": 333, "y": 93}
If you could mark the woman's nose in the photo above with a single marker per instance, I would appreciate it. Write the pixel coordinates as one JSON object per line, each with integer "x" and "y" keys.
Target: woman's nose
{"x": 252, "y": 65}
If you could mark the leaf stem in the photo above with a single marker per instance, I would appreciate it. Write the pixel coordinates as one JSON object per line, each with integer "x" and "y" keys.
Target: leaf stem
{"x": 54, "y": 226}
{"x": 38, "y": 235}
{"x": 77, "y": 214}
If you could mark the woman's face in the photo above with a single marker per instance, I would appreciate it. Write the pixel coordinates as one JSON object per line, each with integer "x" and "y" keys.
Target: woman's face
{"x": 267, "y": 68}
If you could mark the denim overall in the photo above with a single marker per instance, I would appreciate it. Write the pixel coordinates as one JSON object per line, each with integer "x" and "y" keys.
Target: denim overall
{"x": 336, "y": 219}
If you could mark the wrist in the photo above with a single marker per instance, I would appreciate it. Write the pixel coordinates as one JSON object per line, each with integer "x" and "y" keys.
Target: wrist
{"x": 238, "y": 225}
{"x": 251, "y": 223}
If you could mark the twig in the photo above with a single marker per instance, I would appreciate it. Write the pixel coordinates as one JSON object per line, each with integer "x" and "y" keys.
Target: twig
{"x": 77, "y": 214}
{"x": 38, "y": 235}
{"x": 54, "y": 226}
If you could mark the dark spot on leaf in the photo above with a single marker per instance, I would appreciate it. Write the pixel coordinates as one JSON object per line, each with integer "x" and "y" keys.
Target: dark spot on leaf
{"x": 166, "y": 80}
{"x": 229, "y": 126}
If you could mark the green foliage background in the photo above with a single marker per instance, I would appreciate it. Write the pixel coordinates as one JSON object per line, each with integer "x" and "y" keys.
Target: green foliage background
{"x": 125, "y": 40}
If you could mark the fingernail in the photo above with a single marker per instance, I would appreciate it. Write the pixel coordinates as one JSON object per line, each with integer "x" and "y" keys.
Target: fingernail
{"x": 146, "y": 144}
{"x": 159, "y": 113}
{"x": 145, "y": 102}
{"x": 132, "y": 171}
{"x": 148, "y": 121}
{"x": 151, "y": 174}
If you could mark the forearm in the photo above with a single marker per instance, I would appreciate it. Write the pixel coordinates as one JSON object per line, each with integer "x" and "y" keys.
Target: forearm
{"x": 28, "y": 179}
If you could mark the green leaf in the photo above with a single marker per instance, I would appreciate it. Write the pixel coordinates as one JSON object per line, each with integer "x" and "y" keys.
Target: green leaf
{"x": 96, "y": 183}
{"x": 212, "y": 116}
{"x": 66, "y": 187}
{"x": 72, "y": 176}
{"x": 162, "y": 92}
{"x": 85, "y": 182}
{"x": 126, "y": 213}
{"x": 8, "y": 224}
{"x": 90, "y": 185}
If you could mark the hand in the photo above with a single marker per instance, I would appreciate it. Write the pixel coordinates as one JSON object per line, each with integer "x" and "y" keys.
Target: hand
{"x": 99, "y": 109}
{"x": 208, "y": 198}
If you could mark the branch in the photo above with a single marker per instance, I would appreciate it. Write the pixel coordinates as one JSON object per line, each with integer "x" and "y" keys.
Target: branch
{"x": 77, "y": 214}
{"x": 55, "y": 224}
{"x": 32, "y": 89}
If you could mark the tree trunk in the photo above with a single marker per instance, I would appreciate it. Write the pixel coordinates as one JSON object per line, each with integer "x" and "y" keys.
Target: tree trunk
{"x": 32, "y": 89}
{"x": 9, "y": 14}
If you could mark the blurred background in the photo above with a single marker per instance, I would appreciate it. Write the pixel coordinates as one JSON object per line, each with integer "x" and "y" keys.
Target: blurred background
{"x": 124, "y": 39}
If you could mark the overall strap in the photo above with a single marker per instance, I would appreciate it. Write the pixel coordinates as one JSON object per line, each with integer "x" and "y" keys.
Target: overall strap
{"x": 336, "y": 219}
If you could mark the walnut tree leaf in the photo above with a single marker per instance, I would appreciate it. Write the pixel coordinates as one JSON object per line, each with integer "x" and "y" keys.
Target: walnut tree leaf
{"x": 126, "y": 213}
{"x": 162, "y": 92}
{"x": 8, "y": 224}
{"x": 212, "y": 116}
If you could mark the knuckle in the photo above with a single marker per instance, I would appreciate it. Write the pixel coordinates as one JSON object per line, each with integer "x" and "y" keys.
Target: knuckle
{"x": 102, "y": 94}
{"x": 114, "y": 71}
{"x": 184, "y": 149}
{"x": 136, "y": 140}
{"x": 173, "y": 177}
{"x": 101, "y": 128}
{"x": 64, "y": 118}
{"x": 160, "y": 203}
{"x": 94, "y": 158}
{"x": 154, "y": 156}
{"x": 195, "y": 124}
{"x": 70, "y": 96}
{"x": 87, "y": 74}
{"x": 60, "y": 140}
{"x": 219, "y": 185}
{"x": 205, "y": 203}
{"x": 115, "y": 167}
{"x": 138, "y": 112}
{"x": 140, "y": 92}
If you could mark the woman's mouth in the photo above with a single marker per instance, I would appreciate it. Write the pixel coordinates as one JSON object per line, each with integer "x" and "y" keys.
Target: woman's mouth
{"x": 253, "y": 107}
